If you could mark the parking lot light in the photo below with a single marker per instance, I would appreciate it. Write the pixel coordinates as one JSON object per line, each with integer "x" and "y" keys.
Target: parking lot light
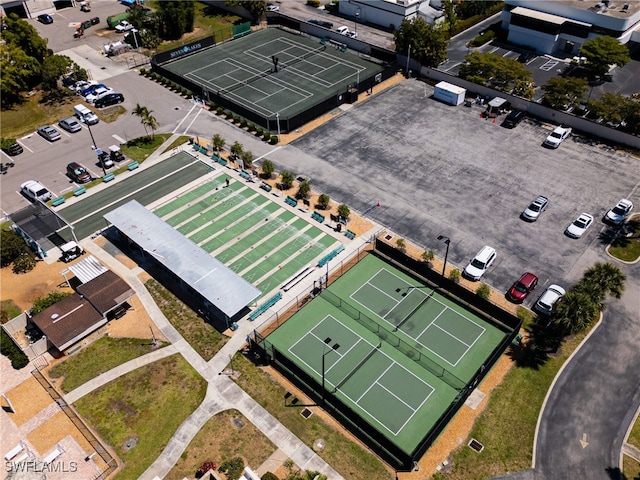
{"x": 447, "y": 241}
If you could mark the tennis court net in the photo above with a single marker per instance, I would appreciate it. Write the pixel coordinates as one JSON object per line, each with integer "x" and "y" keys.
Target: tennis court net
{"x": 392, "y": 339}
{"x": 357, "y": 367}
{"x": 412, "y": 312}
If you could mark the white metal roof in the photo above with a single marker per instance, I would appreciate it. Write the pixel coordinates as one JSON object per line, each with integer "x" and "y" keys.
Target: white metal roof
{"x": 545, "y": 17}
{"x": 218, "y": 284}
{"x": 86, "y": 269}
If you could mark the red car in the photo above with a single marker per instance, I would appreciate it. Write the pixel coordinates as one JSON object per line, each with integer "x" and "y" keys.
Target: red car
{"x": 522, "y": 288}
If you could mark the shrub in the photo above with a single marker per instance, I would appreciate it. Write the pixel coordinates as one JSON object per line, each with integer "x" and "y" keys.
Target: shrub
{"x": 313, "y": 3}
{"x": 252, "y": 127}
{"x": 204, "y": 468}
{"x": 243, "y": 123}
{"x": 287, "y": 179}
{"x": 483, "y": 38}
{"x": 323, "y": 201}
{"x": 483, "y": 291}
{"x": 274, "y": 139}
{"x": 12, "y": 352}
{"x": 143, "y": 71}
{"x": 303, "y": 189}
{"x": 259, "y": 132}
{"x": 454, "y": 275}
{"x": 233, "y": 468}
{"x": 213, "y": 105}
{"x": 219, "y": 110}
{"x": 343, "y": 211}
{"x": 24, "y": 263}
{"x": 266, "y": 137}
{"x": 267, "y": 168}
{"x": 236, "y": 119}
{"x": 401, "y": 244}
{"x": 428, "y": 256}
{"x": 228, "y": 114}
{"x": 269, "y": 476}
{"x": 41, "y": 303}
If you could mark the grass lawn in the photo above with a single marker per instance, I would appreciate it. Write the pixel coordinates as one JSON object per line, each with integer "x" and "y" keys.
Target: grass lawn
{"x": 139, "y": 412}
{"x": 346, "y": 456}
{"x": 203, "y": 337}
{"x": 225, "y": 436}
{"x": 506, "y": 427}
{"x": 24, "y": 119}
{"x": 634, "y": 435}
{"x": 99, "y": 357}
{"x": 182, "y": 139}
{"x": 628, "y": 248}
{"x": 140, "y": 148}
{"x": 630, "y": 468}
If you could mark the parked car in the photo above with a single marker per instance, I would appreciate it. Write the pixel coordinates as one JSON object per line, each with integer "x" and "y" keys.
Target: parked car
{"x": 272, "y": 8}
{"x": 45, "y": 18}
{"x": 81, "y": 85}
{"x": 620, "y": 212}
{"x": 513, "y": 119}
{"x": 480, "y": 263}
{"x": 94, "y": 20}
{"x": 104, "y": 158}
{"x": 91, "y": 88}
{"x": 98, "y": 93}
{"x": 579, "y": 225}
{"x": 522, "y": 287}
{"x": 70, "y": 124}
{"x": 535, "y": 208}
{"x": 85, "y": 115}
{"x": 352, "y": 34}
{"x": 123, "y": 26}
{"x": 343, "y": 30}
{"x": 35, "y": 191}
{"x": 13, "y": 149}
{"x": 556, "y": 137}
{"x": 78, "y": 173}
{"x": 548, "y": 299}
{"x": 109, "y": 99}
{"x": 321, "y": 23}
{"x": 48, "y": 132}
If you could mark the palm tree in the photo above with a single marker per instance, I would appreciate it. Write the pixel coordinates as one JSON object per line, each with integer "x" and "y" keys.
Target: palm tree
{"x": 608, "y": 278}
{"x": 218, "y": 142}
{"x": 575, "y": 311}
{"x": 141, "y": 112}
{"x": 151, "y": 122}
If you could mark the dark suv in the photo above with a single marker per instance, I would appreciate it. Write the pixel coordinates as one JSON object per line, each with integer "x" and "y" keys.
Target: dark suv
{"x": 513, "y": 119}
{"x": 109, "y": 99}
{"x": 13, "y": 149}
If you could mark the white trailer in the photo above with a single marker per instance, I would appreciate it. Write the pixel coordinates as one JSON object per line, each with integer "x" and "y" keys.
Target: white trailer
{"x": 448, "y": 93}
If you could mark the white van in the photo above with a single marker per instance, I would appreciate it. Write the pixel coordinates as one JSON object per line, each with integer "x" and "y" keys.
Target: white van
{"x": 85, "y": 115}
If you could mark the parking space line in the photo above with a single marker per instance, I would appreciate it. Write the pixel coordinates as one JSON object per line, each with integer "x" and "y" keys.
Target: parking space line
{"x": 24, "y": 146}
{"x": 183, "y": 119}
{"x": 118, "y": 138}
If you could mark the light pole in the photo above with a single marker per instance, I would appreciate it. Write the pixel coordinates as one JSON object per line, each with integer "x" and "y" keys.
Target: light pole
{"x": 447, "y": 241}
{"x": 355, "y": 24}
{"x": 95, "y": 148}
{"x": 335, "y": 346}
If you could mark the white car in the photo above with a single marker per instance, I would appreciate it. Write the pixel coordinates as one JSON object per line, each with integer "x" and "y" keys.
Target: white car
{"x": 352, "y": 34}
{"x": 343, "y": 30}
{"x": 480, "y": 263}
{"x": 548, "y": 299}
{"x": 123, "y": 26}
{"x": 35, "y": 191}
{"x": 557, "y": 136}
{"x": 272, "y": 8}
{"x": 98, "y": 93}
{"x": 579, "y": 225}
{"x": 82, "y": 84}
{"x": 620, "y": 212}
{"x": 535, "y": 208}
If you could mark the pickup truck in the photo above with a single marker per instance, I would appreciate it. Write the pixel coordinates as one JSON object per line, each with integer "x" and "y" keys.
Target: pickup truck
{"x": 124, "y": 26}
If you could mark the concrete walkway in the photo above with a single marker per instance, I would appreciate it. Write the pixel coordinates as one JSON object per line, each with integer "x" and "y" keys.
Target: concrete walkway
{"x": 222, "y": 392}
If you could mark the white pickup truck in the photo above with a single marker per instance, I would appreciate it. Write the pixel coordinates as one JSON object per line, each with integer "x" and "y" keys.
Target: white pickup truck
{"x": 123, "y": 26}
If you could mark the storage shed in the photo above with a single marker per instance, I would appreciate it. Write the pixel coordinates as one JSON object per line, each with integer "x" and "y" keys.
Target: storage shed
{"x": 448, "y": 93}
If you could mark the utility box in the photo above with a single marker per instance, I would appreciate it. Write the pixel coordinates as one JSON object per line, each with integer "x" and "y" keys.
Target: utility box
{"x": 496, "y": 107}
{"x": 448, "y": 93}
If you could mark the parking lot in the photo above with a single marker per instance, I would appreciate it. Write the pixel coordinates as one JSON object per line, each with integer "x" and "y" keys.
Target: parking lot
{"x": 443, "y": 170}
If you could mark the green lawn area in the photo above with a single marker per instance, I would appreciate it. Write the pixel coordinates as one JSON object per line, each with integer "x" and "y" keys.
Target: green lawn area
{"x": 99, "y": 357}
{"x": 140, "y": 148}
{"x": 507, "y": 426}
{"x": 628, "y": 248}
{"x": 139, "y": 412}
{"x": 226, "y": 435}
{"x": 346, "y": 456}
{"x": 203, "y": 337}
{"x": 634, "y": 435}
{"x": 630, "y": 468}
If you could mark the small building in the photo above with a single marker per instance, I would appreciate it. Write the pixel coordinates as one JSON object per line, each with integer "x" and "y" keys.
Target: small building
{"x": 449, "y": 93}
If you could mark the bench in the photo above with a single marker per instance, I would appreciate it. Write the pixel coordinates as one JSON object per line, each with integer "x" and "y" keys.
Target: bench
{"x": 108, "y": 177}
{"x": 317, "y": 217}
{"x": 265, "y": 306}
{"x": 349, "y": 234}
{"x": 266, "y": 187}
{"x": 246, "y": 175}
{"x": 13, "y": 452}
{"x": 58, "y": 201}
{"x": 133, "y": 166}
{"x": 291, "y": 201}
{"x": 327, "y": 258}
{"x": 79, "y": 191}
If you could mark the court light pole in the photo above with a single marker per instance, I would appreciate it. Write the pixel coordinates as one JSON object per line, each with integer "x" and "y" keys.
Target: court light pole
{"x": 355, "y": 24}
{"x": 95, "y": 148}
{"x": 447, "y": 241}
{"x": 325, "y": 352}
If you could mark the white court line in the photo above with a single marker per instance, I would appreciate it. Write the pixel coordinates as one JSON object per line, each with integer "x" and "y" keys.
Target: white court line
{"x": 192, "y": 121}
{"x": 183, "y": 119}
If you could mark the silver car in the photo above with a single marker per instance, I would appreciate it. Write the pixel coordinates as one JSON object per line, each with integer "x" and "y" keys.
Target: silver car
{"x": 535, "y": 208}
{"x": 49, "y": 133}
{"x": 70, "y": 124}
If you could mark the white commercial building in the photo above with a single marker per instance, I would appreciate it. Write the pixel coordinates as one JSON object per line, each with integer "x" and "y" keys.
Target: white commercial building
{"x": 562, "y": 26}
{"x": 391, "y": 13}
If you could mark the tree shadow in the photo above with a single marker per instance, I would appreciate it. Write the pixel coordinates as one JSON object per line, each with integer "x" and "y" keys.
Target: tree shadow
{"x": 614, "y": 473}
{"x": 542, "y": 342}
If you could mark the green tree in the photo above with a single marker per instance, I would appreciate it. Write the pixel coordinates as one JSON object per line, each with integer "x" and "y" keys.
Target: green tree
{"x": 53, "y": 67}
{"x": 287, "y": 179}
{"x": 25, "y": 262}
{"x": 401, "y": 244}
{"x": 22, "y": 34}
{"x": 606, "y": 277}
{"x": 343, "y": 211}
{"x": 428, "y": 256}
{"x": 471, "y": 8}
{"x": 175, "y": 18}
{"x": 255, "y": 7}
{"x": 615, "y": 108}
{"x": 267, "y": 168}
{"x": 496, "y": 71}
{"x": 564, "y": 92}
{"x": 428, "y": 43}
{"x": 247, "y": 159}
{"x": 323, "y": 201}
{"x": 218, "y": 143}
{"x": 149, "y": 39}
{"x": 12, "y": 246}
{"x": 603, "y": 51}
{"x": 41, "y": 303}
{"x": 236, "y": 149}
{"x": 141, "y": 112}
{"x": 303, "y": 189}
{"x": 150, "y": 121}
{"x": 20, "y": 73}
{"x": 575, "y": 311}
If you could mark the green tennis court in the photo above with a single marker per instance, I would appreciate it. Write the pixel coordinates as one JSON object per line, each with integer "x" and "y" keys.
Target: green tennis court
{"x": 245, "y": 71}
{"x": 246, "y": 230}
